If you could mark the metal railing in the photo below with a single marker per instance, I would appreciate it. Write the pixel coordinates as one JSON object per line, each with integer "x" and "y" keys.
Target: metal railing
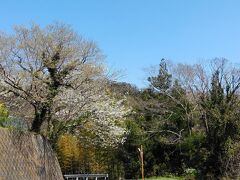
{"x": 85, "y": 176}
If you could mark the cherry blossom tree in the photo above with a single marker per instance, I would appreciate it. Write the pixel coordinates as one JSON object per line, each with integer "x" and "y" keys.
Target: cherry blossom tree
{"x": 52, "y": 73}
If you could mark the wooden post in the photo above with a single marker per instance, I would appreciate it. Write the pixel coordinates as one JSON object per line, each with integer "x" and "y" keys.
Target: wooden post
{"x": 142, "y": 164}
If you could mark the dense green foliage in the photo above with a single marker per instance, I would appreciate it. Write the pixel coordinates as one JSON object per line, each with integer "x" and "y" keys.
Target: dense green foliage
{"x": 3, "y": 114}
{"x": 183, "y": 136}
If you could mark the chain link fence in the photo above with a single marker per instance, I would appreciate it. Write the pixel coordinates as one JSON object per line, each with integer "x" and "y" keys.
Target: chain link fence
{"x": 25, "y": 156}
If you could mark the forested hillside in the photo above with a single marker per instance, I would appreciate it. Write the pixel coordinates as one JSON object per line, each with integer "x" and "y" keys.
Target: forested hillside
{"x": 187, "y": 121}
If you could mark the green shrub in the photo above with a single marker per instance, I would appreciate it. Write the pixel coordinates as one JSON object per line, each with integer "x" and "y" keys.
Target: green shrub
{"x": 3, "y": 114}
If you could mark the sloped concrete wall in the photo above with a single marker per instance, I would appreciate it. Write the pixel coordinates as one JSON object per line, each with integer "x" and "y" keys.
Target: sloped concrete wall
{"x": 26, "y": 156}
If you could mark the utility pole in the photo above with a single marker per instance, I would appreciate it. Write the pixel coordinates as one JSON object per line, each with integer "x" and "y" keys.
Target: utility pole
{"x": 141, "y": 156}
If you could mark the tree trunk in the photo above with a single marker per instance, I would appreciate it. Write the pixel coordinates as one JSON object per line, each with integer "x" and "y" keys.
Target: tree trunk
{"x": 41, "y": 115}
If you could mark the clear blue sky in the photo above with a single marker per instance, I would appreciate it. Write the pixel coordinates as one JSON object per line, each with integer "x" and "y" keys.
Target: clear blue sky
{"x": 135, "y": 34}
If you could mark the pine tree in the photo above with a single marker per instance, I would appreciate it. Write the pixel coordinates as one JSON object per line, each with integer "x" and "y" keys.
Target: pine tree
{"x": 162, "y": 82}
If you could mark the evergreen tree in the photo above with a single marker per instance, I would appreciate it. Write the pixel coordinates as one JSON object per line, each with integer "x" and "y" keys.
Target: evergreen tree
{"x": 163, "y": 80}
{"x": 222, "y": 131}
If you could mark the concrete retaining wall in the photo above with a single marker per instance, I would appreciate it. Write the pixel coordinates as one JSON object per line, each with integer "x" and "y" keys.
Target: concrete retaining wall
{"x": 26, "y": 156}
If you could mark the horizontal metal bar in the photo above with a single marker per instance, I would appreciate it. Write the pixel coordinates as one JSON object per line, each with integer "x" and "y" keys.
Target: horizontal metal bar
{"x": 85, "y": 175}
